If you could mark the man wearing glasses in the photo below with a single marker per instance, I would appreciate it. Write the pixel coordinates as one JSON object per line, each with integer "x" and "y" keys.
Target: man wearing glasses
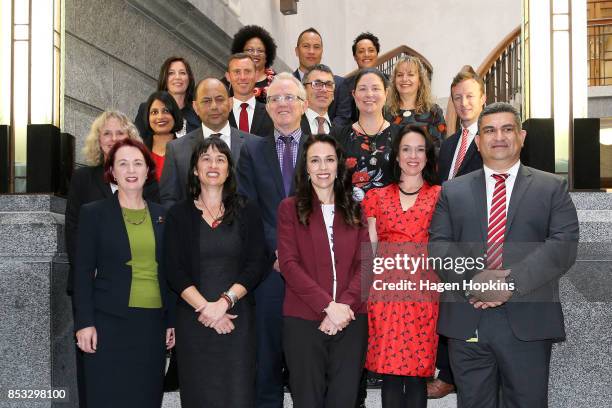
{"x": 319, "y": 84}
{"x": 265, "y": 175}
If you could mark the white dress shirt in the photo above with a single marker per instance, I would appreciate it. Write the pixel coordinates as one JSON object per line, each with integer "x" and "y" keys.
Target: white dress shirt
{"x": 472, "y": 130}
{"x": 250, "y": 111}
{"x": 301, "y": 74}
{"x": 226, "y": 134}
{"x": 314, "y": 124}
{"x": 490, "y": 184}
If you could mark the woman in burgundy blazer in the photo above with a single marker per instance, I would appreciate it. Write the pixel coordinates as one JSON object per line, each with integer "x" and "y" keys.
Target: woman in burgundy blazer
{"x": 321, "y": 234}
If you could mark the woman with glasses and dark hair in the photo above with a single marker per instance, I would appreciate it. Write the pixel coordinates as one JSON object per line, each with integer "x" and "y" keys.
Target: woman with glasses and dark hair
{"x": 164, "y": 121}
{"x": 321, "y": 236}
{"x": 367, "y": 142}
{"x": 123, "y": 308}
{"x": 257, "y": 42}
{"x": 402, "y": 340}
{"x": 176, "y": 78}
{"x": 410, "y": 101}
{"x": 215, "y": 257}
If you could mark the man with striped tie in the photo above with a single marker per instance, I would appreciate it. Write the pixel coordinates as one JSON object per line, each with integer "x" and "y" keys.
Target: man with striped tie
{"x": 523, "y": 224}
{"x": 458, "y": 156}
{"x": 458, "y": 153}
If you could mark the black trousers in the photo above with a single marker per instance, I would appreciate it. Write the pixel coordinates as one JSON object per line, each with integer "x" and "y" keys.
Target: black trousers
{"x": 442, "y": 361}
{"x": 325, "y": 370}
{"x": 499, "y": 361}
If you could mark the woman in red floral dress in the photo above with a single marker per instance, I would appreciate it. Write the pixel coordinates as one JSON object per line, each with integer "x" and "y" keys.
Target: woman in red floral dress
{"x": 402, "y": 325}
{"x": 367, "y": 142}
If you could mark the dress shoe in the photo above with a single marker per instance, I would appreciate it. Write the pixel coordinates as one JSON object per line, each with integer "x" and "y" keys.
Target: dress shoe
{"x": 439, "y": 389}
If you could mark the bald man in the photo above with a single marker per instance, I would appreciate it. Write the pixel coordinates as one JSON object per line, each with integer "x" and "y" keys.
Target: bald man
{"x": 213, "y": 105}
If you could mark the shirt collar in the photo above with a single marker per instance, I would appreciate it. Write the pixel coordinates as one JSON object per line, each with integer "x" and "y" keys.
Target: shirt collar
{"x": 250, "y": 101}
{"x": 296, "y": 134}
{"x": 301, "y": 74}
{"x": 512, "y": 171}
{"x": 312, "y": 116}
{"x": 225, "y": 131}
{"x": 472, "y": 129}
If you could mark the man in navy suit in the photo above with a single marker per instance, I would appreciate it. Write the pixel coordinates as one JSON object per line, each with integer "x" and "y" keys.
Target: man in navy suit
{"x": 309, "y": 50}
{"x": 247, "y": 113}
{"x": 265, "y": 175}
{"x": 458, "y": 156}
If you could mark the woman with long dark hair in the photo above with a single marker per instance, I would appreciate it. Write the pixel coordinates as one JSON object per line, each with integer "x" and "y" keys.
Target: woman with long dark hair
{"x": 320, "y": 240}
{"x": 214, "y": 260}
{"x": 402, "y": 339}
{"x": 176, "y": 78}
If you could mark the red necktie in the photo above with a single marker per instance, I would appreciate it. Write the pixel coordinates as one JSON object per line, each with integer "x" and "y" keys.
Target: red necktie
{"x": 462, "y": 150}
{"x": 497, "y": 223}
{"x": 244, "y": 117}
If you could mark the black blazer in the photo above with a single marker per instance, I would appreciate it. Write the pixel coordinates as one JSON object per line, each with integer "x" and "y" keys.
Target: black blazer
{"x": 182, "y": 242}
{"x": 472, "y": 160}
{"x": 262, "y": 124}
{"x": 87, "y": 185}
{"x": 260, "y": 179}
{"x": 102, "y": 278}
{"x": 193, "y": 122}
{"x": 339, "y": 100}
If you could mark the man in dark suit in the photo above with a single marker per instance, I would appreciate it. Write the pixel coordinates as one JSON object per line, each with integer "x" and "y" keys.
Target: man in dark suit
{"x": 366, "y": 47}
{"x": 309, "y": 50}
{"x": 458, "y": 153}
{"x": 319, "y": 85}
{"x": 212, "y": 104}
{"x": 247, "y": 113}
{"x": 458, "y": 156}
{"x": 522, "y": 225}
{"x": 265, "y": 175}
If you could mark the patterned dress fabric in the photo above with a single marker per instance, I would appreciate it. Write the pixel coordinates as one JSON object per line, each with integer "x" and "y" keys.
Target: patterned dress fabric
{"x": 402, "y": 325}
{"x": 433, "y": 121}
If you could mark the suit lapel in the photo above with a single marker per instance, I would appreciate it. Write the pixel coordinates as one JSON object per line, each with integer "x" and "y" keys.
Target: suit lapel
{"x": 257, "y": 117}
{"x": 232, "y": 120}
{"x": 521, "y": 184}
{"x": 472, "y": 149}
{"x": 157, "y": 220}
{"x": 121, "y": 238}
{"x": 98, "y": 179}
{"x": 318, "y": 234}
{"x": 272, "y": 158}
{"x": 305, "y": 126}
{"x": 479, "y": 195}
{"x": 237, "y": 140}
{"x": 298, "y": 162}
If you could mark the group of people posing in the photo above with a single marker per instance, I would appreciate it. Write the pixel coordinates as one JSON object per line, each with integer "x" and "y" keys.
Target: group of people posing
{"x": 234, "y": 221}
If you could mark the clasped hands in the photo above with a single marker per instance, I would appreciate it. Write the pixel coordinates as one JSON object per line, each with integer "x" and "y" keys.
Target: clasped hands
{"x": 339, "y": 315}
{"x": 215, "y": 316}
{"x": 490, "y": 298}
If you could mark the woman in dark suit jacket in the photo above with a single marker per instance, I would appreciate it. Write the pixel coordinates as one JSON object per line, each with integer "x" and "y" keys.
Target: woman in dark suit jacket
{"x": 320, "y": 238}
{"x": 123, "y": 308}
{"x": 176, "y": 78}
{"x": 215, "y": 258}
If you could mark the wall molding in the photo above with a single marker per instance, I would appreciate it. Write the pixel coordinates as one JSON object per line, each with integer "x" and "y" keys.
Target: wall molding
{"x": 189, "y": 24}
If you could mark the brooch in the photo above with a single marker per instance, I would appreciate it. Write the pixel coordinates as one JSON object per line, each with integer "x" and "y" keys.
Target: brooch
{"x": 160, "y": 219}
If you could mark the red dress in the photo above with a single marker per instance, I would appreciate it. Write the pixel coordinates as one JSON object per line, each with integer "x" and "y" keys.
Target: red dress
{"x": 159, "y": 164}
{"x": 402, "y": 333}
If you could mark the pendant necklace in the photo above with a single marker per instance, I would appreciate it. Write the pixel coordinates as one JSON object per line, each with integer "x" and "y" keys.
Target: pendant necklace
{"x": 216, "y": 220}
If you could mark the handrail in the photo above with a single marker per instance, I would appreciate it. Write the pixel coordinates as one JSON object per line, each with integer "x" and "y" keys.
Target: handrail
{"x": 599, "y": 21}
{"x": 394, "y": 54}
{"x": 498, "y": 51}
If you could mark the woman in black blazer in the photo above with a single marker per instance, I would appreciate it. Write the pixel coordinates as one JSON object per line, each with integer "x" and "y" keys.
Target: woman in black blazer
{"x": 176, "y": 78}
{"x": 123, "y": 307}
{"x": 215, "y": 257}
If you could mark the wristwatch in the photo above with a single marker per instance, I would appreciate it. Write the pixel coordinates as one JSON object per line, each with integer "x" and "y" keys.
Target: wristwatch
{"x": 511, "y": 284}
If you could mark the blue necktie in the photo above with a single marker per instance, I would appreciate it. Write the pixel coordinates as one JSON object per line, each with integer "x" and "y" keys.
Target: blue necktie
{"x": 287, "y": 169}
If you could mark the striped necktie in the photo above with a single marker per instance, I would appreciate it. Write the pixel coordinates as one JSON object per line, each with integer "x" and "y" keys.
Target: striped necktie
{"x": 462, "y": 150}
{"x": 497, "y": 223}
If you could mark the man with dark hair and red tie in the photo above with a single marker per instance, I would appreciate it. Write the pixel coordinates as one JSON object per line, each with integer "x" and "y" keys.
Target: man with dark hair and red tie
{"x": 522, "y": 225}
{"x": 247, "y": 114}
{"x": 319, "y": 84}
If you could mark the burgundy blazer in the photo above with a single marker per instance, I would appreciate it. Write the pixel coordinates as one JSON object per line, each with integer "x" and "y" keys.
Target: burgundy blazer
{"x": 305, "y": 263}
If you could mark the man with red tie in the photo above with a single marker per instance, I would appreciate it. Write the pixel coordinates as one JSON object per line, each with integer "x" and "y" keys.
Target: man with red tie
{"x": 458, "y": 153}
{"x": 247, "y": 114}
{"x": 522, "y": 225}
{"x": 458, "y": 156}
